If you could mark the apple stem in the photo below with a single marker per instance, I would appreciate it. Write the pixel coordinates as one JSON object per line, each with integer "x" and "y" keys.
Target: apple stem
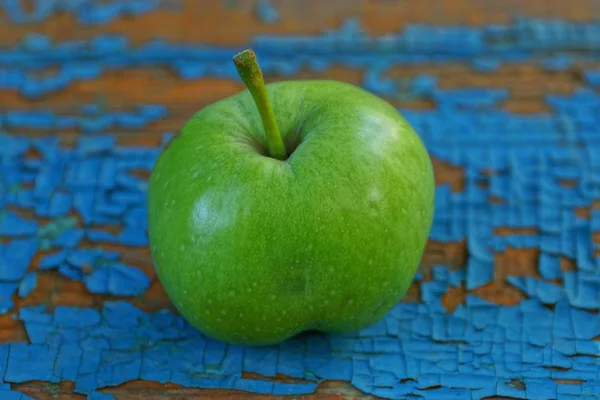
{"x": 251, "y": 74}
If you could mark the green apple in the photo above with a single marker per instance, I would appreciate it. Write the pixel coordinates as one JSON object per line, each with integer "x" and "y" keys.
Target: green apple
{"x": 293, "y": 206}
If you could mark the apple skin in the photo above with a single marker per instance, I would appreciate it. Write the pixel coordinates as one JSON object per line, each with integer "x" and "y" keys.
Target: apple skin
{"x": 254, "y": 250}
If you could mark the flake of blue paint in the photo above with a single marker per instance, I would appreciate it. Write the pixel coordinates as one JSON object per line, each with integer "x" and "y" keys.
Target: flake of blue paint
{"x": 84, "y": 173}
{"x": 418, "y": 277}
{"x": 25, "y": 199}
{"x": 329, "y": 368}
{"x": 557, "y": 63}
{"x": 548, "y": 293}
{"x": 550, "y": 244}
{"x": 48, "y": 147}
{"x": 468, "y": 381}
{"x": 153, "y": 111}
{"x": 15, "y": 258}
{"x": 567, "y": 388}
{"x": 562, "y": 326}
{"x": 214, "y": 353}
{"x": 519, "y": 282}
{"x": 284, "y": 389}
{"x": 69, "y": 239}
{"x": 73, "y": 317}
{"x": 47, "y": 180}
{"x": 364, "y": 346}
{"x": 75, "y": 70}
{"x": 266, "y": 12}
{"x": 83, "y": 202}
{"x": 7, "y": 289}
{"x": 128, "y": 197}
{"x": 68, "y": 271}
{"x": 137, "y": 217}
{"x": 374, "y": 81}
{"x": 60, "y": 204}
{"x": 122, "y": 368}
{"x": 12, "y": 146}
{"x": 375, "y": 329}
{"x": 130, "y": 121}
{"x": 117, "y": 279}
{"x": 291, "y": 359}
{"x": 107, "y": 174}
{"x": 23, "y": 356}
{"x": 12, "y": 224}
{"x": 587, "y": 347}
{"x": 127, "y": 181}
{"x": 343, "y": 345}
{"x": 581, "y": 290}
{"x": 166, "y": 139}
{"x": 156, "y": 367}
{"x": 99, "y": 13}
{"x": 53, "y": 260}
{"x": 318, "y": 344}
{"x": 127, "y": 281}
{"x": 29, "y": 170}
{"x": 9, "y": 394}
{"x": 549, "y": 266}
{"x": 590, "y": 388}
{"x": 90, "y": 257}
{"x": 4, "y": 350}
{"x": 431, "y": 292}
{"x": 133, "y": 236}
{"x": 86, "y": 383}
{"x": 97, "y": 235}
{"x": 110, "y": 209}
{"x": 253, "y": 385}
{"x": 97, "y": 124}
{"x": 595, "y": 220}
{"x": 441, "y": 273}
{"x": 27, "y": 284}
{"x": 423, "y": 84}
{"x": 100, "y": 396}
{"x": 261, "y": 360}
{"x": 485, "y": 64}
{"x": 362, "y": 382}
{"x": 97, "y": 281}
{"x": 35, "y": 314}
{"x": 190, "y": 70}
{"x": 507, "y": 388}
{"x": 92, "y": 108}
{"x": 592, "y": 77}
{"x": 479, "y": 273}
{"x": 68, "y": 361}
{"x": 92, "y": 145}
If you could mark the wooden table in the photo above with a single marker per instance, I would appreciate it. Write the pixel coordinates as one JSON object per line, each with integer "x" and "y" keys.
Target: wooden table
{"x": 232, "y": 23}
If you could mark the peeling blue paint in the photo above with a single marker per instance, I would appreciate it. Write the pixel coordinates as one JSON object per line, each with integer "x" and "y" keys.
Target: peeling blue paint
{"x": 123, "y": 343}
{"x": 100, "y": 396}
{"x": 466, "y": 361}
{"x": 89, "y": 12}
{"x": 6, "y": 393}
{"x": 483, "y": 47}
{"x": 33, "y": 119}
{"x": 27, "y": 284}
{"x": 266, "y": 12}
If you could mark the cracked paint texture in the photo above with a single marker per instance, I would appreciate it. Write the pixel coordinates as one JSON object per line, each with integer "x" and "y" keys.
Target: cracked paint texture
{"x": 479, "y": 349}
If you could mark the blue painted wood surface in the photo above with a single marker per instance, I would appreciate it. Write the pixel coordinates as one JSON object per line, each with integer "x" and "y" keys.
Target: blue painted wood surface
{"x": 72, "y": 201}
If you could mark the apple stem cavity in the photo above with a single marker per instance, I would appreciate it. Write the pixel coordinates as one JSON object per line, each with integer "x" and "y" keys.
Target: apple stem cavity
{"x": 251, "y": 74}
